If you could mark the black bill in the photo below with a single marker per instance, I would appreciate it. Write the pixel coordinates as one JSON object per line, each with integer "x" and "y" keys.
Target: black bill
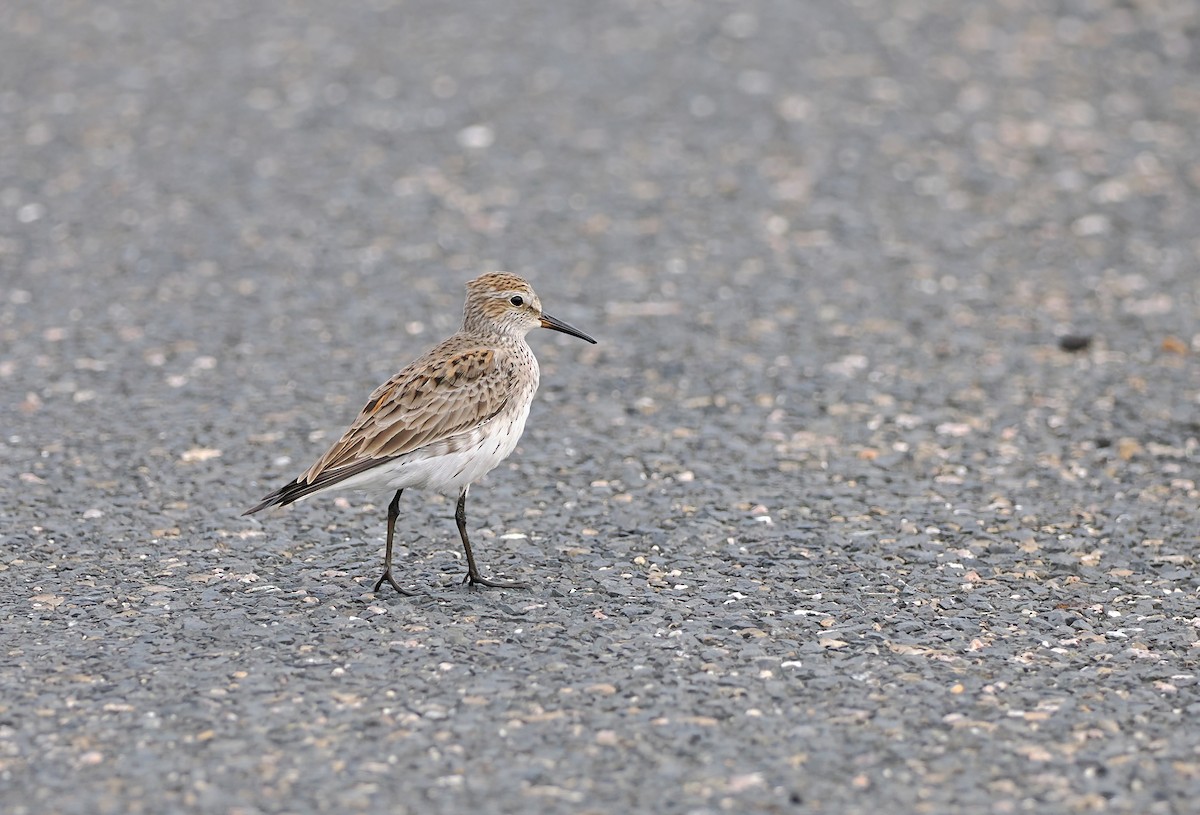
{"x": 559, "y": 325}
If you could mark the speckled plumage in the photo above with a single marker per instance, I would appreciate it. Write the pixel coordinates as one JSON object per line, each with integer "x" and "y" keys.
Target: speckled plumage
{"x": 446, "y": 419}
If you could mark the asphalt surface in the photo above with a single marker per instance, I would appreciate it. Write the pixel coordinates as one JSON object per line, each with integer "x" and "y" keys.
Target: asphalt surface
{"x": 831, "y": 520}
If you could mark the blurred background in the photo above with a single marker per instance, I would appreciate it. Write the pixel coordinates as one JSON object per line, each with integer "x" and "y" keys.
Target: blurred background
{"x": 908, "y": 200}
{"x": 882, "y": 288}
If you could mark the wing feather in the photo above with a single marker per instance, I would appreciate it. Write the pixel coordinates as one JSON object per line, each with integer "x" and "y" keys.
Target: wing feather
{"x": 446, "y": 392}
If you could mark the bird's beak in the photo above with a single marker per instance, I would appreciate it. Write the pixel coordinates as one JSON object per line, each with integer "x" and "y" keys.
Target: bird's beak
{"x": 559, "y": 325}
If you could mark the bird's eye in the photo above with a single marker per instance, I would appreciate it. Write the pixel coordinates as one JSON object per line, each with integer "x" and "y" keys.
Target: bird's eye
{"x": 517, "y": 300}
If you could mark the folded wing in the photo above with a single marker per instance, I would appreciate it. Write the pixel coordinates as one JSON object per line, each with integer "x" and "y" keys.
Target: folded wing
{"x": 426, "y": 403}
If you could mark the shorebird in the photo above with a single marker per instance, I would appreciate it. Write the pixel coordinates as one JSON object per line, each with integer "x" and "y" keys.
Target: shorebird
{"x": 446, "y": 419}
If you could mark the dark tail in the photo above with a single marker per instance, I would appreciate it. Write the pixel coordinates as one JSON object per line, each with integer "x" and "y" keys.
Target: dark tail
{"x": 287, "y": 494}
{"x": 296, "y": 489}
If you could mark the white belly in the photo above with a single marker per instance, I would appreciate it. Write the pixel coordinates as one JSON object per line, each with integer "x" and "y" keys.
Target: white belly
{"x": 450, "y": 472}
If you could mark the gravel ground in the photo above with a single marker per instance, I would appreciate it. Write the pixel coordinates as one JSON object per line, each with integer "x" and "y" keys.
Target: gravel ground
{"x": 832, "y": 519}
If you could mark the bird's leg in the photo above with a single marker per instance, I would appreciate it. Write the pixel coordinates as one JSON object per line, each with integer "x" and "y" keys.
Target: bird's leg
{"x": 393, "y": 514}
{"x": 473, "y": 576}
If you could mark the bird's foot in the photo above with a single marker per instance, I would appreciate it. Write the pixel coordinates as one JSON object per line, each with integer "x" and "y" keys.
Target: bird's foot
{"x": 387, "y": 576}
{"x": 473, "y": 579}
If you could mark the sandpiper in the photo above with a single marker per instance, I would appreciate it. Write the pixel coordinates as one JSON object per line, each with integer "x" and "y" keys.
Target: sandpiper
{"x": 446, "y": 419}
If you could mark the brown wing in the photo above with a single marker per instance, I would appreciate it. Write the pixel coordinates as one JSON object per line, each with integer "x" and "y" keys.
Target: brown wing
{"x": 446, "y": 392}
